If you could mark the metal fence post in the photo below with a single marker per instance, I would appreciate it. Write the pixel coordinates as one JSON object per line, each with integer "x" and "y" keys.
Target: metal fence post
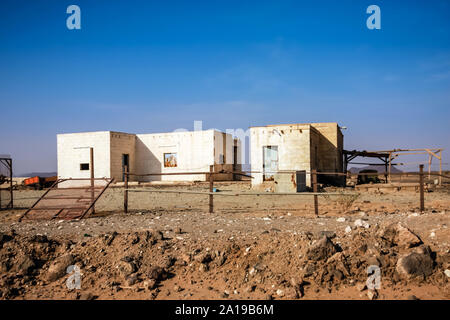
{"x": 211, "y": 184}
{"x": 421, "y": 189}
{"x": 125, "y": 191}
{"x": 314, "y": 185}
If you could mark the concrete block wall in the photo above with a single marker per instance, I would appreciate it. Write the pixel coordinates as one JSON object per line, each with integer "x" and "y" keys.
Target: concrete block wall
{"x": 294, "y": 148}
{"x": 122, "y": 143}
{"x": 73, "y": 149}
{"x": 330, "y": 152}
{"x": 194, "y": 149}
{"x": 223, "y": 155}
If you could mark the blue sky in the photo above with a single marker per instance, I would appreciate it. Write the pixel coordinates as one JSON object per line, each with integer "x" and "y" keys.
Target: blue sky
{"x": 155, "y": 66}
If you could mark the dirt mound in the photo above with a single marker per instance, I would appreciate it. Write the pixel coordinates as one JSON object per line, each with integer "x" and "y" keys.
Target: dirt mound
{"x": 150, "y": 265}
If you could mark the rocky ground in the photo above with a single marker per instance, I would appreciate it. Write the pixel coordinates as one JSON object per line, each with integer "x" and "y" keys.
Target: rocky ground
{"x": 261, "y": 252}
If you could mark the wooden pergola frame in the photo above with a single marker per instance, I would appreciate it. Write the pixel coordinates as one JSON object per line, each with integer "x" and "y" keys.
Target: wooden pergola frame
{"x": 387, "y": 156}
{"x": 431, "y": 152}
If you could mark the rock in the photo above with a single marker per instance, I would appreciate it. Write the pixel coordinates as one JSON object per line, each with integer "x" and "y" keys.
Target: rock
{"x": 135, "y": 239}
{"x": 361, "y": 223}
{"x": 412, "y": 297}
{"x": 373, "y": 261}
{"x": 361, "y": 286}
{"x": 158, "y": 235}
{"x": 150, "y": 284}
{"x": 280, "y": 293}
{"x": 24, "y": 264}
{"x": 4, "y": 266}
{"x": 58, "y": 267}
{"x": 401, "y": 236}
{"x": 447, "y": 273}
{"x": 292, "y": 293}
{"x": 132, "y": 279}
{"x": 186, "y": 257}
{"x": 4, "y": 237}
{"x": 204, "y": 258}
{"x": 250, "y": 288}
{"x": 220, "y": 259}
{"x": 169, "y": 261}
{"x": 127, "y": 267}
{"x": 337, "y": 274}
{"x": 329, "y": 234}
{"x": 108, "y": 238}
{"x": 177, "y": 288}
{"x": 415, "y": 264}
{"x": 433, "y": 234}
{"x": 342, "y": 219}
{"x": 321, "y": 250}
{"x": 203, "y": 267}
{"x": 86, "y": 296}
{"x": 178, "y": 230}
{"x": 40, "y": 238}
{"x": 372, "y": 294}
{"x": 309, "y": 270}
{"x": 348, "y": 229}
{"x": 158, "y": 274}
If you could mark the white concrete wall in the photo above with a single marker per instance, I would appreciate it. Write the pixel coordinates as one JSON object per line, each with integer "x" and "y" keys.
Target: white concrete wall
{"x": 194, "y": 149}
{"x": 73, "y": 149}
{"x": 294, "y": 148}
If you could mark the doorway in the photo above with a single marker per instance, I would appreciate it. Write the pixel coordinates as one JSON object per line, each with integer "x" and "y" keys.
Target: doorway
{"x": 125, "y": 162}
{"x": 270, "y": 162}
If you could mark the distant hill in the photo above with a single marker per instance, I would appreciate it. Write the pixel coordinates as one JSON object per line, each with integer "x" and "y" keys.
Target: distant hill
{"x": 379, "y": 168}
{"x": 40, "y": 174}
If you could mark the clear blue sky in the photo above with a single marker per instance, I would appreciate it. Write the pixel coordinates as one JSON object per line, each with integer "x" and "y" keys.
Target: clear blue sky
{"x": 155, "y": 66}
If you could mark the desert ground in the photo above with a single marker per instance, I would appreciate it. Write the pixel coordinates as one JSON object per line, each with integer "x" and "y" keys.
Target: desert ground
{"x": 252, "y": 247}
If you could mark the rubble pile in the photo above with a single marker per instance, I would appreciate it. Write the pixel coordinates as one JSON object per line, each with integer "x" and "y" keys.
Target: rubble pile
{"x": 151, "y": 265}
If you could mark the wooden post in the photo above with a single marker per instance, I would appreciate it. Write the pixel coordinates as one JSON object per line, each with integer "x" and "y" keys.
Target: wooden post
{"x": 211, "y": 184}
{"x": 314, "y": 185}
{"x": 386, "y": 170}
{"x": 91, "y": 152}
{"x": 125, "y": 191}
{"x": 430, "y": 157}
{"x": 345, "y": 169}
{"x": 11, "y": 184}
{"x": 422, "y": 202}
{"x": 390, "y": 164}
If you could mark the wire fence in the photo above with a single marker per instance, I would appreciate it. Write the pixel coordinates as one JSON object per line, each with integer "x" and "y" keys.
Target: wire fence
{"x": 211, "y": 193}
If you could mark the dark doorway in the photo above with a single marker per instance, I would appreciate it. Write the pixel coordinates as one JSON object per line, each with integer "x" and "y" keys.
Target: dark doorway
{"x": 125, "y": 162}
{"x": 235, "y": 161}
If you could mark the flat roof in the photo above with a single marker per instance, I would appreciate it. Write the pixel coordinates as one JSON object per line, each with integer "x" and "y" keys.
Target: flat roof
{"x": 295, "y": 124}
{"x": 119, "y": 132}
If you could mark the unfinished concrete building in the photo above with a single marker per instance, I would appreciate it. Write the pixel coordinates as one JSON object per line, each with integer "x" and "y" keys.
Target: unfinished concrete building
{"x": 174, "y": 152}
{"x": 296, "y": 147}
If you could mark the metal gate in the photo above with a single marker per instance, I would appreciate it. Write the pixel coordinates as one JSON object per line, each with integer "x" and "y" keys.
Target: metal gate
{"x": 73, "y": 202}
